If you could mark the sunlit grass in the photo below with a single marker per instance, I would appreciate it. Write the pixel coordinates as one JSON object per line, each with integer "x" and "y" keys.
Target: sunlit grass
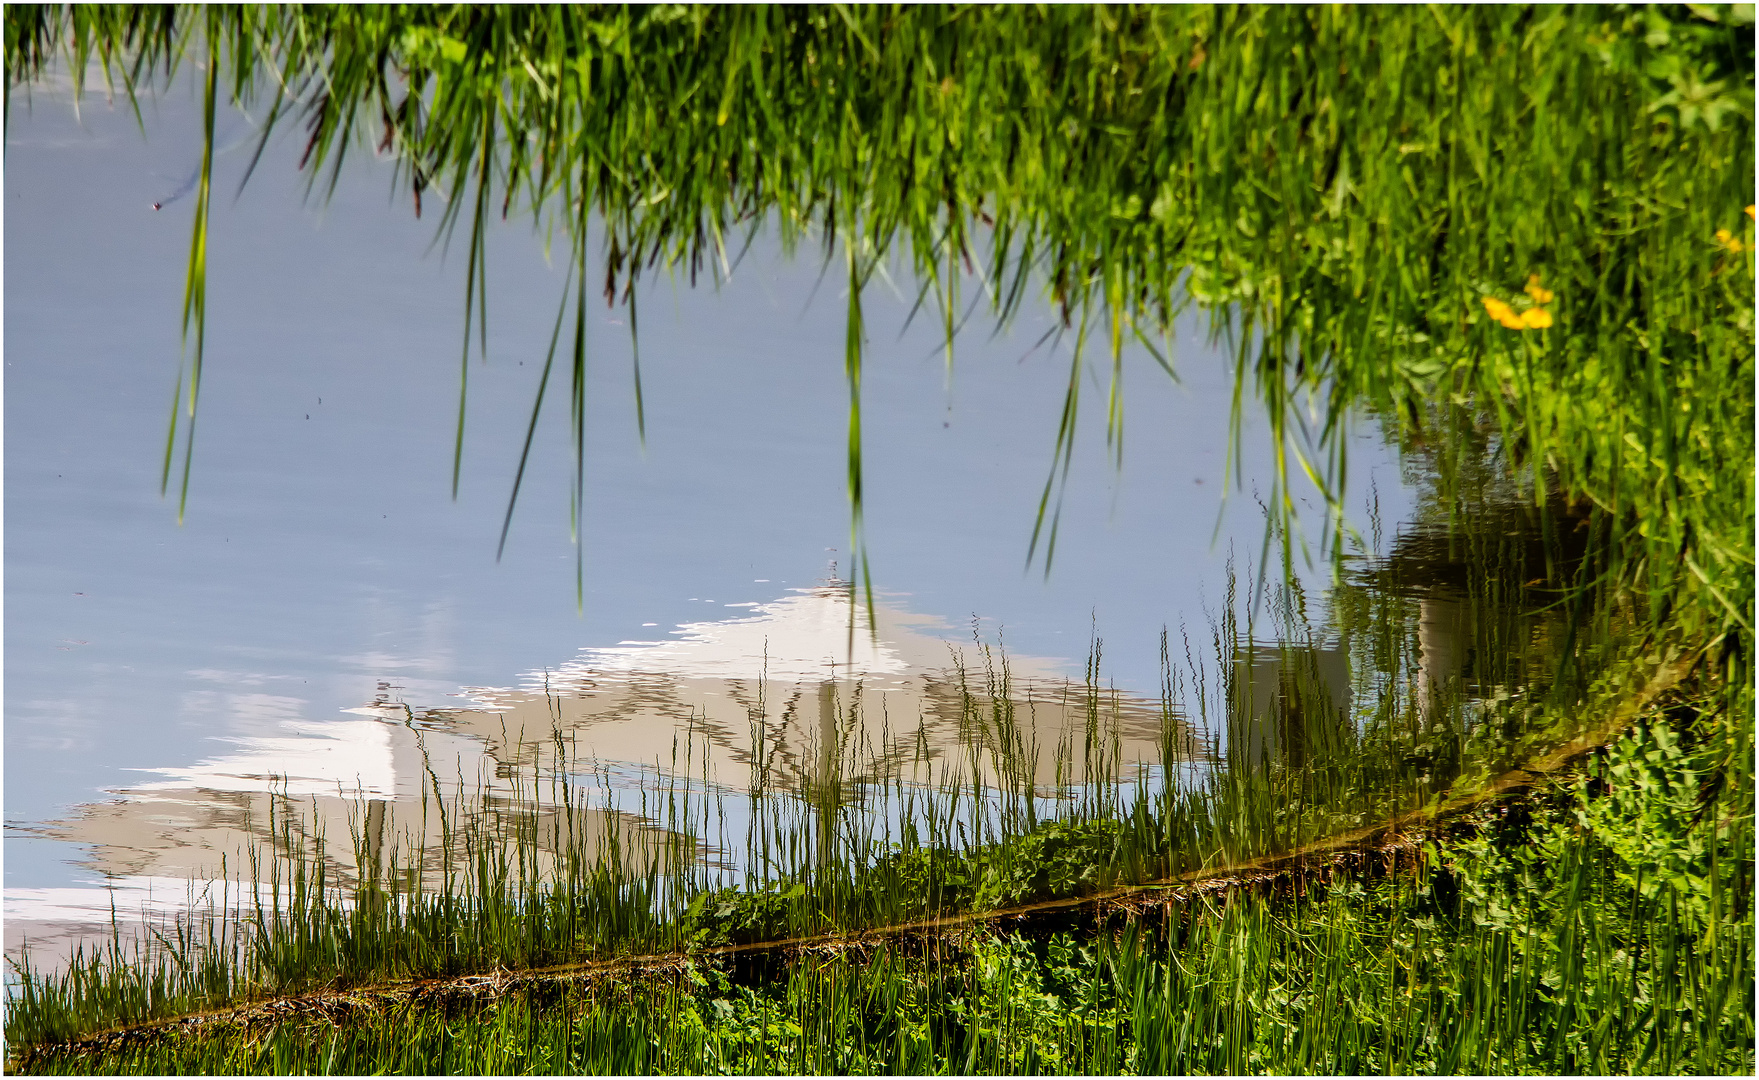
{"x": 1521, "y": 943}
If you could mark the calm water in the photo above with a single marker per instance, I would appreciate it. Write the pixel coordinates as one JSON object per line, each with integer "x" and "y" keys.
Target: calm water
{"x": 159, "y": 677}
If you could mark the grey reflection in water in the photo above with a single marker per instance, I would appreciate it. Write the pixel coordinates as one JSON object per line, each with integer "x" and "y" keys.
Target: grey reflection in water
{"x": 1446, "y": 625}
{"x": 1493, "y": 595}
{"x": 1478, "y": 608}
{"x": 1287, "y": 703}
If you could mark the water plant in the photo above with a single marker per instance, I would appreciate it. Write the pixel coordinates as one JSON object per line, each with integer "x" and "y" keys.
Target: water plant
{"x": 893, "y": 858}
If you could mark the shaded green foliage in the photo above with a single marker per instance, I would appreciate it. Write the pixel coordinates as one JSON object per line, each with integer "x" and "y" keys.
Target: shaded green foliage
{"x": 1054, "y": 860}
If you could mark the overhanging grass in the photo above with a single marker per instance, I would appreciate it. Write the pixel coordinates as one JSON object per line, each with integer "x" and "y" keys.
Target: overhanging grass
{"x": 1536, "y": 212}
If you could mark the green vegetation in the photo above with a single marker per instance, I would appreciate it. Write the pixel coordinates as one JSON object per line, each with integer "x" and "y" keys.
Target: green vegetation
{"x": 1519, "y": 238}
{"x": 1605, "y": 926}
{"x": 1661, "y": 819}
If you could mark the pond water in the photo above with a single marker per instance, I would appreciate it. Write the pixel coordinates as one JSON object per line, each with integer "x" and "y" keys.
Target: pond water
{"x": 326, "y": 592}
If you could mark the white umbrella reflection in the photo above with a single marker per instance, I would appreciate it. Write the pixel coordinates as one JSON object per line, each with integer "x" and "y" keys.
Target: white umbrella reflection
{"x": 784, "y": 695}
{"x": 805, "y": 689}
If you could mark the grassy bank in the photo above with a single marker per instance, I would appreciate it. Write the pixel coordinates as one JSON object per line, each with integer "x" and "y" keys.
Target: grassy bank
{"x": 1571, "y": 811}
{"x": 1250, "y": 862}
{"x": 1601, "y": 925}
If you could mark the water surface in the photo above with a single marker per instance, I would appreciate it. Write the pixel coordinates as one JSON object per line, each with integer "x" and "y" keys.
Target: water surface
{"x": 162, "y": 679}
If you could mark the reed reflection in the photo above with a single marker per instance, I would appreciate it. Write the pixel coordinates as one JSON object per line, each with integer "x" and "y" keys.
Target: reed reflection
{"x": 1484, "y": 606}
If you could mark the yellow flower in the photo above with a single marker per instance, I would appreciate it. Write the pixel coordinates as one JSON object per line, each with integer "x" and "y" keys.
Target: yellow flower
{"x": 1729, "y": 240}
{"x": 1749, "y": 212}
{"x": 1534, "y": 318}
{"x": 1540, "y": 294}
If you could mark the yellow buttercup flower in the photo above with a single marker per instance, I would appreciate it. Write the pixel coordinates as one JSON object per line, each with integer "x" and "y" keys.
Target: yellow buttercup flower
{"x": 1534, "y": 318}
{"x": 1729, "y": 240}
{"x": 1749, "y": 211}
